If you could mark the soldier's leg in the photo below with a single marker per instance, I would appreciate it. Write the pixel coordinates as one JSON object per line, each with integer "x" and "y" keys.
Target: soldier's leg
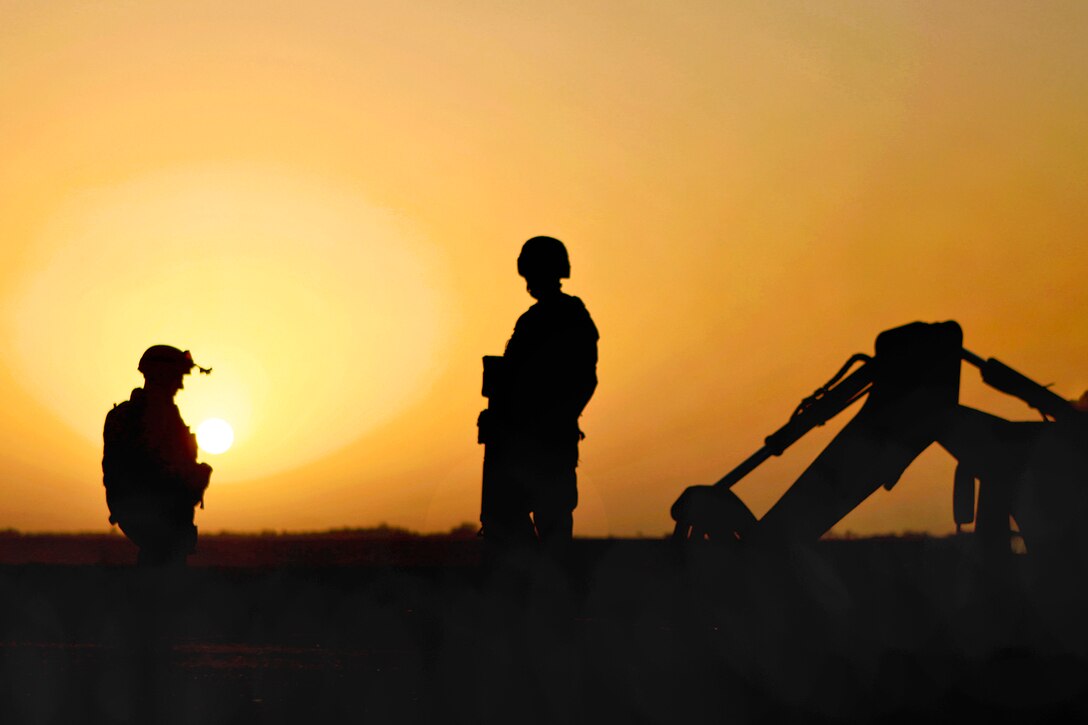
{"x": 554, "y": 525}
{"x": 150, "y": 556}
{"x": 161, "y": 542}
{"x": 504, "y": 508}
{"x": 166, "y": 549}
{"x": 555, "y": 498}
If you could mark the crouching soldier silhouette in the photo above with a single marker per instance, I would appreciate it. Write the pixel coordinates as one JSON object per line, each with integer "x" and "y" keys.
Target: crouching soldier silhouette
{"x": 149, "y": 468}
{"x": 536, "y": 392}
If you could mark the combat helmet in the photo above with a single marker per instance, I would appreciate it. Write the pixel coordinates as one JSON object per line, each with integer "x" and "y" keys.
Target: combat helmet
{"x": 544, "y": 257}
{"x": 167, "y": 358}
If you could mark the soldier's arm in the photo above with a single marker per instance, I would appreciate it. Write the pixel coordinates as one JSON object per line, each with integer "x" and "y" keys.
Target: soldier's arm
{"x": 582, "y": 364}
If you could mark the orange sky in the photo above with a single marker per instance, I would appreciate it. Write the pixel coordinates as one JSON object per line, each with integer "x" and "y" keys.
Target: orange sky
{"x": 324, "y": 202}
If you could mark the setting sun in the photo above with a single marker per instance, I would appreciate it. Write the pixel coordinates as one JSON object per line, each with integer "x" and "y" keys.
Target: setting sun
{"x": 337, "y": 261}
{"x": 215, "y": 435}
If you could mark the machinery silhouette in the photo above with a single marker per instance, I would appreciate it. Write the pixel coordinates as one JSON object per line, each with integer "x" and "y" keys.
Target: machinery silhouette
{"x": 1032, "y": 471}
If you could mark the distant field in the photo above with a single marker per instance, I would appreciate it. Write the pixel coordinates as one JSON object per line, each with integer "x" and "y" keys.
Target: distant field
{"x": 357, "y": 547}
{"x": 383, "y": 546}
{"x": 393, "y": 627}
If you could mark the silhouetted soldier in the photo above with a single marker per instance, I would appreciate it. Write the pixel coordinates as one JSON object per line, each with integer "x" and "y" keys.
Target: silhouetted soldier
{"x": 537, "y": 390}
{"x": 149, "y": 468}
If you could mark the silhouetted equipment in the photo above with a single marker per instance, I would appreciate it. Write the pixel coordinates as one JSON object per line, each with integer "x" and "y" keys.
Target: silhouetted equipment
{"x": 149, "y": 468}
{"x": 1032, "y": 471}
{"x": 544, "y": 257}
{"x": 493, "y": 381}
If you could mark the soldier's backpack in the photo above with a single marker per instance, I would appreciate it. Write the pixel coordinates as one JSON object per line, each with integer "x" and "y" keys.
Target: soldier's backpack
{"x": 120, "y": 450}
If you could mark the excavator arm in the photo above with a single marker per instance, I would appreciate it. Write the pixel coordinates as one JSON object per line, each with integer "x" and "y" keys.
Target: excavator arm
{"x": 911, "y": 388}
{"x": 1001, "y": 377}
{"x": 713, "y": 510}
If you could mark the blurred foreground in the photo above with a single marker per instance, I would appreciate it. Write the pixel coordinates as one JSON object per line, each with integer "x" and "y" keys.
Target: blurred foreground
{"x": 632, "y": 631}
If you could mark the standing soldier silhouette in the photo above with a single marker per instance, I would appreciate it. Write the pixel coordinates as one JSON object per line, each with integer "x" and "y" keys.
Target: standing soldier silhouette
{"x": 536, "y": 391}
{"x": 149, "y": 468}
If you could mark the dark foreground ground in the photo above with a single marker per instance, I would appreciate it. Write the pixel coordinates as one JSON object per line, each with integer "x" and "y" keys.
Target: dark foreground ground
{"x": 630, "y": 631}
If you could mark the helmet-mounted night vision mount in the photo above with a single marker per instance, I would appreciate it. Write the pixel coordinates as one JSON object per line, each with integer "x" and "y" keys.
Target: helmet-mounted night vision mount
{"x": 168, "y": 356}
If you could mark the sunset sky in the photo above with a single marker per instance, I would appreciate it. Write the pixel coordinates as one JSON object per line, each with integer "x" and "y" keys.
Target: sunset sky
{"x": 324, "y": 202}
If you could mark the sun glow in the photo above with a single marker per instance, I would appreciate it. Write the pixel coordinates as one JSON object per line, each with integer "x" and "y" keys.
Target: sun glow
{"x": 215, "y": 436}
{"x": 319, "y": 312}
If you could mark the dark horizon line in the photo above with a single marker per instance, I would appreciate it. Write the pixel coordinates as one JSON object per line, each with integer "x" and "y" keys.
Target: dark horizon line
{"x": 465, "y": 531}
